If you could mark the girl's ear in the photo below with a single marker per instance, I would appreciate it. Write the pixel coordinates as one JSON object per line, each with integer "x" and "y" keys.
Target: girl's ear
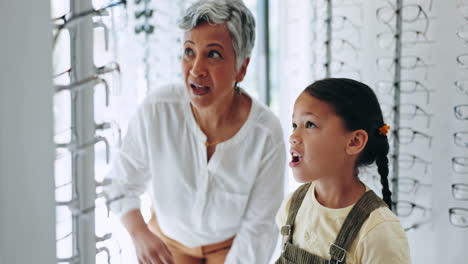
{"x": 356, "y": 142}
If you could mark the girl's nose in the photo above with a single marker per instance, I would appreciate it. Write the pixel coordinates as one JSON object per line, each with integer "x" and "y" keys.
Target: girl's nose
{"x": 294, "y": 140}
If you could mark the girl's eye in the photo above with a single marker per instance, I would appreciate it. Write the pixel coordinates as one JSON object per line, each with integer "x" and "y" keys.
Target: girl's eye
{"x": 294, "y": 126}
{"x": 188, "y": 52}
{"x": 214, "y": 54}
{"x": 310, "y": 124}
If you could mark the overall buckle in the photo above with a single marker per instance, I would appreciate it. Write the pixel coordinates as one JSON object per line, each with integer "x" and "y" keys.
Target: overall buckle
{"x": 341, "y": 257}
{"x": 286, "y": 233}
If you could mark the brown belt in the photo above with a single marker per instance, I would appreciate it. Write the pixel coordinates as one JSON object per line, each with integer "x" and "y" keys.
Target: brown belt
{"x": 198, "y": 252}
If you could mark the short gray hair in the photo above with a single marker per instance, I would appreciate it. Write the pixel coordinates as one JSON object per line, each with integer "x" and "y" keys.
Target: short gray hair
{"x": 237, "y": 17}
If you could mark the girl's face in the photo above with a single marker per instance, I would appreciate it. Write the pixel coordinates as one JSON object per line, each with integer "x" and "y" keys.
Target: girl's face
{"x": 318, "y": 141}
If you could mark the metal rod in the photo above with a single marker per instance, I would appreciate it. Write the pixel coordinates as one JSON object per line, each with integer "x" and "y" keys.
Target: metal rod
{"x": 147, "y": 52}
{"x": 328, "y": 41}
{"x": 83, "y": 125}
{"x": 396, "y": 98}
{"x": 264, "y": 50}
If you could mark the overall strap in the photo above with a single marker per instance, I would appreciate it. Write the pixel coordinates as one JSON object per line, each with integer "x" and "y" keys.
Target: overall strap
{"x": 296, "y": 201}
{"x": 352, "y": 224}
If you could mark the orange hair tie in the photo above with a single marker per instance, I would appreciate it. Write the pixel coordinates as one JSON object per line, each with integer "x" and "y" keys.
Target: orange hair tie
{"x": 383, "y": 130}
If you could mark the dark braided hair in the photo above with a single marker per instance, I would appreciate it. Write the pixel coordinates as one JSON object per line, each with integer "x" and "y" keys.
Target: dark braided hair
{"x": 359, "y": 108}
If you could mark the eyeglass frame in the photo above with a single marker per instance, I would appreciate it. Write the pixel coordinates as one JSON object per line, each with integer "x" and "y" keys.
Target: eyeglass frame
{"x": 415, "y": 90}
{"x": 458, "y": 139}
{"x": 453, "y": 211}
{"x": 460, "y": 161}
{"x": 414, "y": 160}
{"x": 457, "y": 109}
{"x": 403, "y": 43}
{"x": 454, "y": 189}
{"x": 343, "y": 20}
{"x": 395, "y": 11}
{"x": 342, "y": 67}
{"x": 415, "y": 183}
{"x": 460, "y": 63}
{"x": 460, "y": 29}
{"x": 393, "y": 60}
{"x": 460, "y": 88}
{"x": 413, "y": 206}
{"x": 396, "y": 134}
{"x": 410, "y": 116}
{"x": 70, "y": 19}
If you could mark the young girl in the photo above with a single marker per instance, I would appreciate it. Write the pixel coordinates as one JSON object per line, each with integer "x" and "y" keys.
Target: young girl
{"x": 334, "y": 218}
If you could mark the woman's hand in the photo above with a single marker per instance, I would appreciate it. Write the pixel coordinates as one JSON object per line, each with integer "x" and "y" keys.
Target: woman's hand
{"x": 150, "y": 249}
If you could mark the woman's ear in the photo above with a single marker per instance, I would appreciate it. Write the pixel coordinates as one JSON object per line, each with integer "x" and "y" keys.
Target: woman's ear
{"x": 243, "y": 70}
{"x": 357, "y": 141}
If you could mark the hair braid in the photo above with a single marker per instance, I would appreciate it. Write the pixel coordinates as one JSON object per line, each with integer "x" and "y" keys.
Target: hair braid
{"x": 382, "y": 168}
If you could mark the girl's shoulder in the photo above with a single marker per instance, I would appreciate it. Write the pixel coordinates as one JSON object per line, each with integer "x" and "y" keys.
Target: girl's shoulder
{"x": 382, "y": 222}
{"x": 382, "y": 239}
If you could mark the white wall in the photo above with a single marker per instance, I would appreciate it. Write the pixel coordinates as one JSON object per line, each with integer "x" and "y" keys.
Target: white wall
{"x": 27, "y": 214}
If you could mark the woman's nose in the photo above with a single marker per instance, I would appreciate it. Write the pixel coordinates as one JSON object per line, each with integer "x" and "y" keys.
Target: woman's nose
{"x": 198, "y": 69}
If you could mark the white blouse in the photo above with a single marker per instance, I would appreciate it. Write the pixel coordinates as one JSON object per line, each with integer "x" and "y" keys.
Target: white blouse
{"x": 237, "y": 193}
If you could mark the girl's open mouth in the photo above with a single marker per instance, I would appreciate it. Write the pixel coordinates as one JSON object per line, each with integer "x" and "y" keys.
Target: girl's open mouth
{"x": 296, "y": 158}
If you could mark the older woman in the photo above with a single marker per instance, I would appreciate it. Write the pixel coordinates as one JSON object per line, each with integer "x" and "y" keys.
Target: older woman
{"x": 212, "y": 156}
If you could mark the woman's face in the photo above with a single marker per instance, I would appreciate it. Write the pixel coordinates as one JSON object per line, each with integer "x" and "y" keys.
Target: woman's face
{"x": 318, "y": 141}
{"x": 209, "y": 65}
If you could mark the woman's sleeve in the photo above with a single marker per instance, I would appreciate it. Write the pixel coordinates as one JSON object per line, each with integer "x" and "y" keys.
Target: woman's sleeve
{"x": 386, "y": 243}
{"x": 129, "y": 172}
{"x": 257, "y": 237}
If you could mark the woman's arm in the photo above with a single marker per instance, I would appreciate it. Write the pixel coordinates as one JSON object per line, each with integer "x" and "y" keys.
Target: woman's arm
{"x": 149, "y": 248}
{"x": 130, "y": 176}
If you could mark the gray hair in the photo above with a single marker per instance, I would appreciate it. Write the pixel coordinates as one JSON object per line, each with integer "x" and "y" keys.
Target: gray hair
{"x": 237, "y": 17}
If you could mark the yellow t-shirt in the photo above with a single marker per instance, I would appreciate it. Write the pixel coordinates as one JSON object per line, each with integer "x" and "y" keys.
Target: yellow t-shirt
{"x": 381, "y": 239}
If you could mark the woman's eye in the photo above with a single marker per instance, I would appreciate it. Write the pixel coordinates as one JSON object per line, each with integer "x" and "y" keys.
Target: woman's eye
{"x": 310, "y": 124}
{"x": 188, "y": 52}
{"x": 214, "y": 54}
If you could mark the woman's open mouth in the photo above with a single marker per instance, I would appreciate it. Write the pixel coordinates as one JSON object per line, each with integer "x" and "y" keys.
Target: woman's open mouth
{"x": 199, "y": 89}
